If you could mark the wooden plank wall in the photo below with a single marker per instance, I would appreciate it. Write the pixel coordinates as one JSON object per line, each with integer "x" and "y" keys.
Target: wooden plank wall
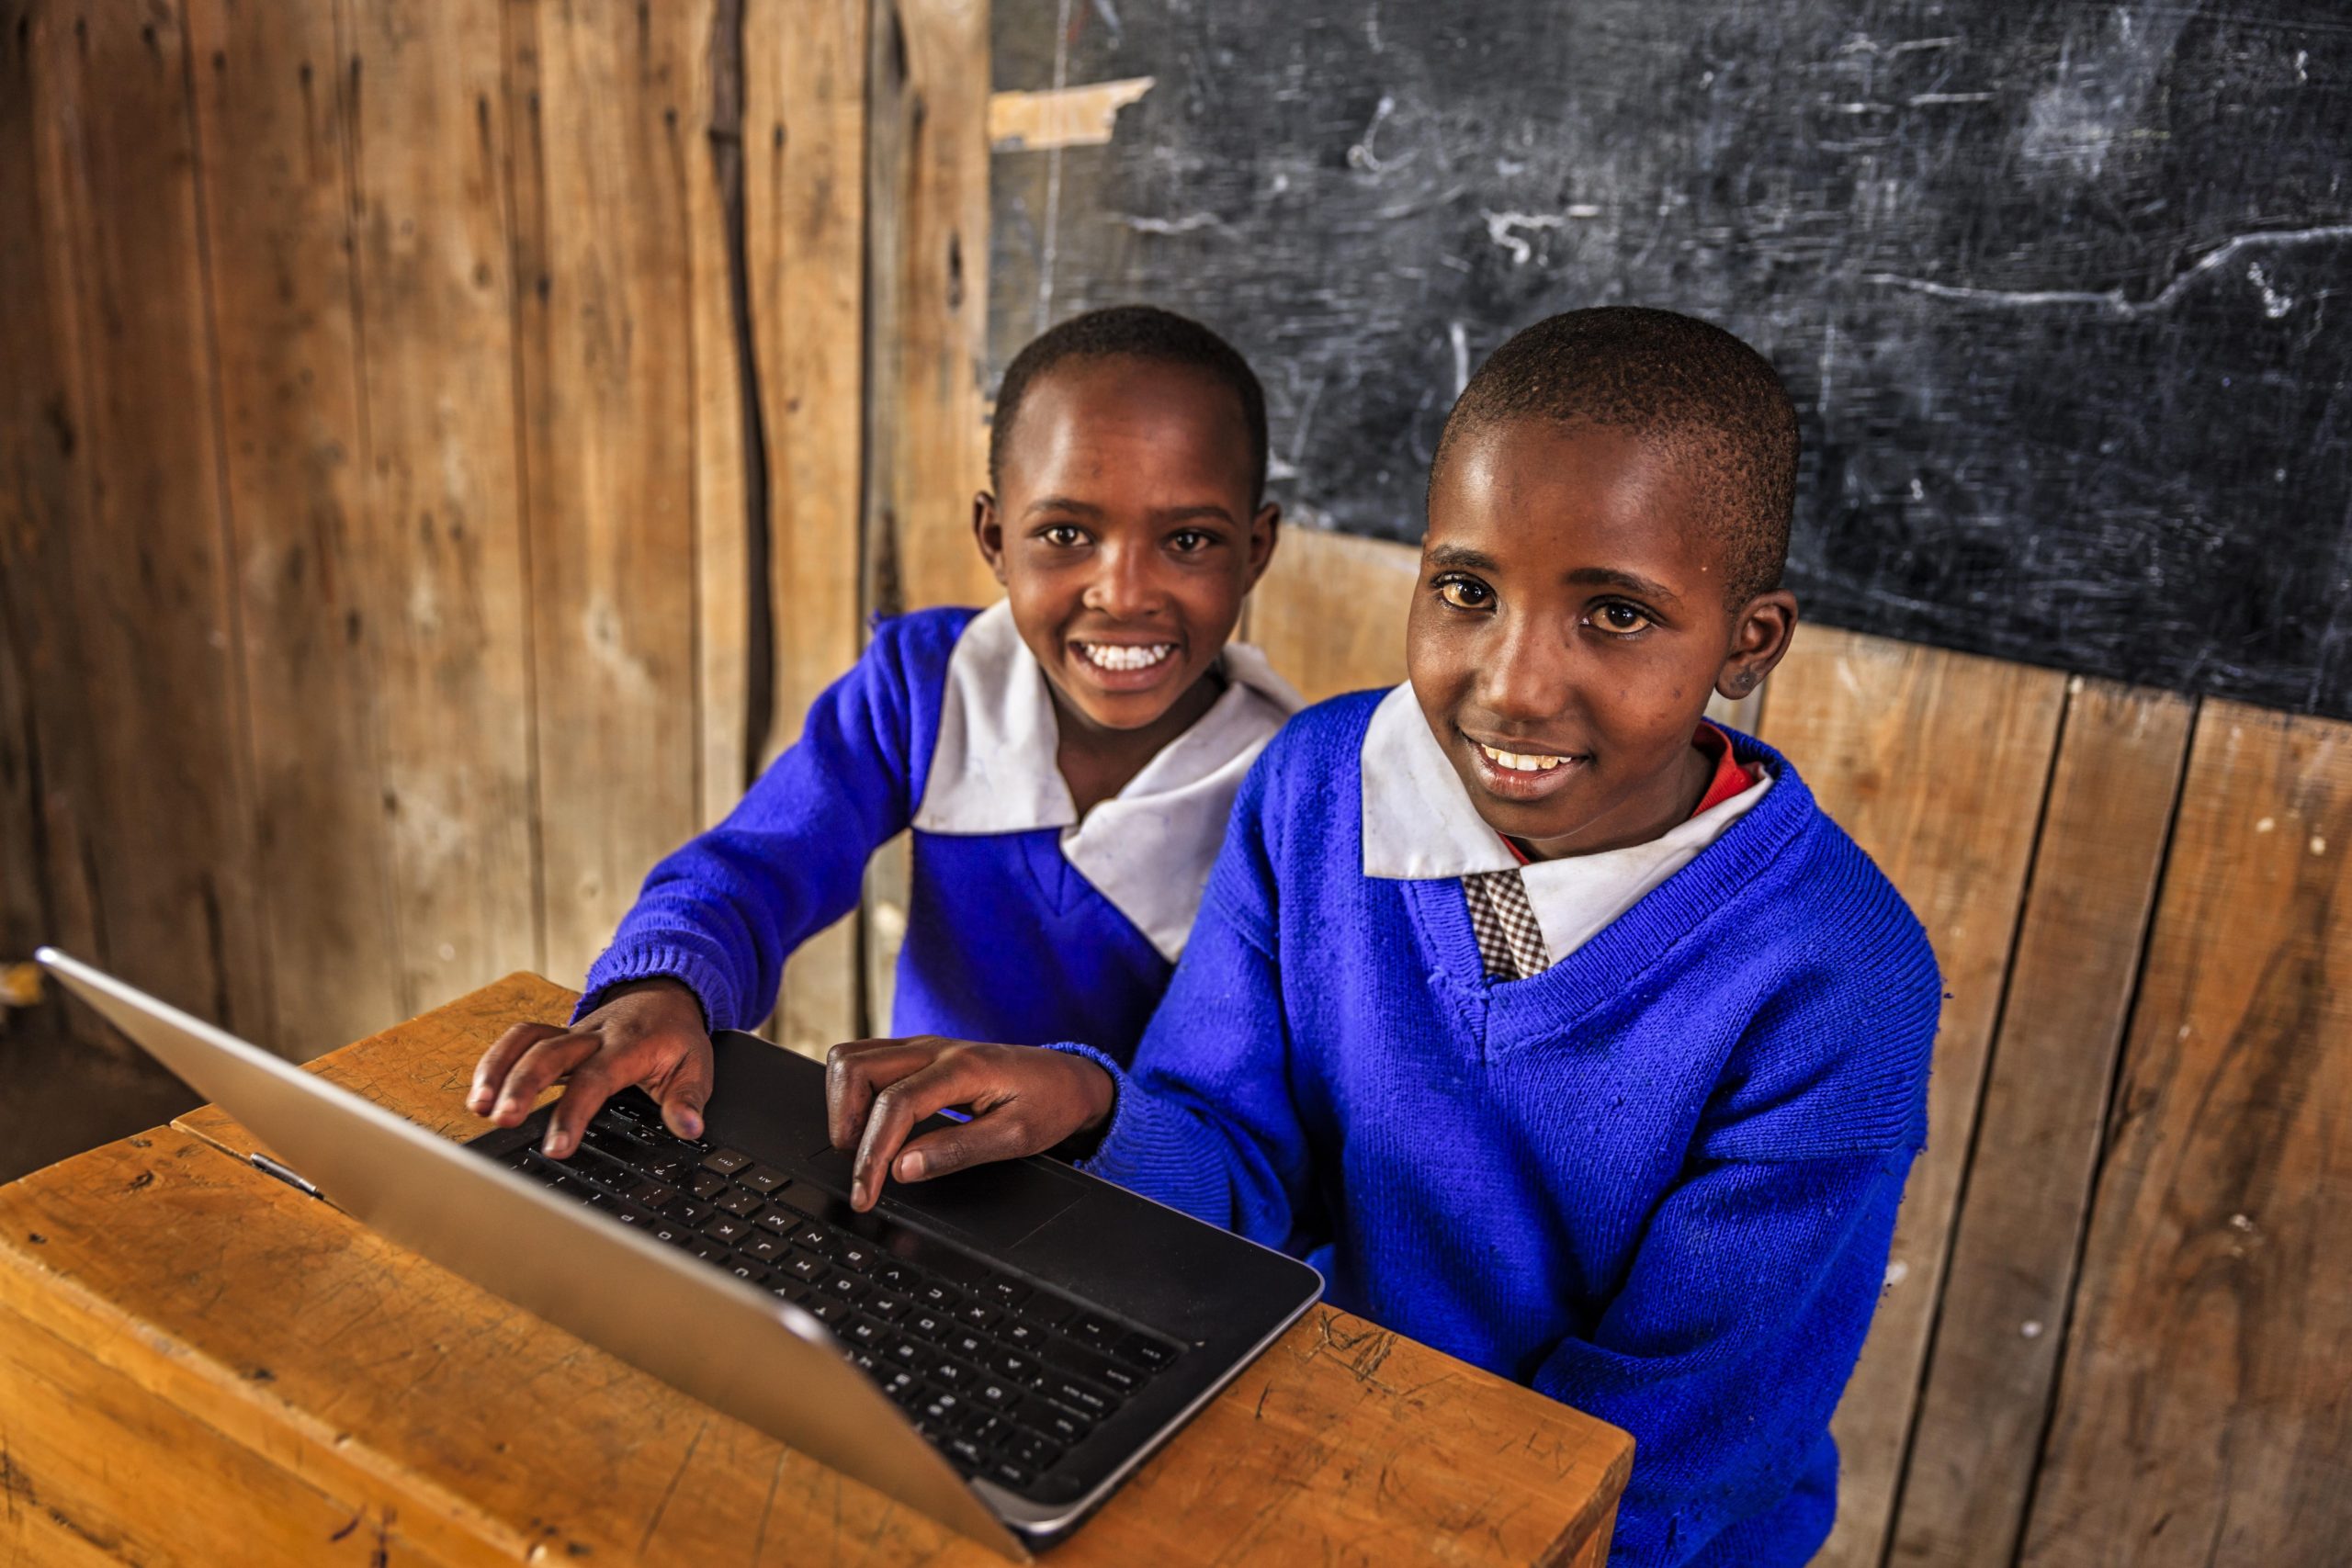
{"x": 386, "y": 583}
{"x": 445, "y": 448}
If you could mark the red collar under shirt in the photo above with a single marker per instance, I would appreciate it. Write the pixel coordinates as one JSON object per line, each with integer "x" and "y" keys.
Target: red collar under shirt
{"x": 1730, "y": 777}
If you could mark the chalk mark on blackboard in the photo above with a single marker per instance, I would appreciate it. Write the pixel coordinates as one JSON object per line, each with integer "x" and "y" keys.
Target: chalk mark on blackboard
{"x": 2112, "y": 299}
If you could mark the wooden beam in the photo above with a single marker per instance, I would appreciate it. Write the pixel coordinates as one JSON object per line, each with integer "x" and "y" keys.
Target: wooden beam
{"x": 2203, "y": 1411}
{"x": 927, "y": 311}
{"x": 434, "y": 287}
{"x": 805, "y": 72}
{"x": 1870, "y": 725}
{"x": 131, "y": 615}
{"x": 272, "y": 120}
{"x": 1329, "y": 612}
{"x": 1988, "y": 1387}
{"x": 613, "y": 112}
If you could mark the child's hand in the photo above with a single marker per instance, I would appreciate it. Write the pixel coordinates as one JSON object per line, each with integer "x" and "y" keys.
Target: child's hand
{"x": 1022, "y": 1101}
{"x": 649, "y": 1034}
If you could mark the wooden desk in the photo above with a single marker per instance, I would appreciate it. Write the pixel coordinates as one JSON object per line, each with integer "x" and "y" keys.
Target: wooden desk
{"x": 199, "y": 1365}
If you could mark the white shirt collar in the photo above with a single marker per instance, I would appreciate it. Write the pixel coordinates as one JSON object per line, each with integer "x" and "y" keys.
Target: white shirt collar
{"x": 1148, "y": 849}
{"x": 1419, "y": 825}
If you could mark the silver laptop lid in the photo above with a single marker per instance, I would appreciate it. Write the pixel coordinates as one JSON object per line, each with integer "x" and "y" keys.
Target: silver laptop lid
{"x": 760, "y": 1359}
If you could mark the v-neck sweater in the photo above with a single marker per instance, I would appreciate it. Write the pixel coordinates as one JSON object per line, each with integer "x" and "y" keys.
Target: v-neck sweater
{"x": 1657, "y": 1181}
{"x": 1006, "y": 939}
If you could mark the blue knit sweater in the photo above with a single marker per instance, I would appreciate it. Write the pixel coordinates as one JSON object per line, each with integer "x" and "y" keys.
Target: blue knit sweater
{"x": 1657, "y": 1181}
{"x": 1006, "y": 941}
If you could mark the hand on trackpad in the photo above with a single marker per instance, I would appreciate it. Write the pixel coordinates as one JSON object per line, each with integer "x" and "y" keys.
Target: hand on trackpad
{"x": 998, "y": 1206}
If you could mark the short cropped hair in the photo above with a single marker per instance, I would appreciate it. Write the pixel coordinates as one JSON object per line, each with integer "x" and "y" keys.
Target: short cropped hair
{"x": 1683, "y": 383}
{"x": 1141, "y": 331}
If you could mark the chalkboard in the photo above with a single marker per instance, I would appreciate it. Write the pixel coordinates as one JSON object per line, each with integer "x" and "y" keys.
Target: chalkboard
{"x": 2064, "y": 292}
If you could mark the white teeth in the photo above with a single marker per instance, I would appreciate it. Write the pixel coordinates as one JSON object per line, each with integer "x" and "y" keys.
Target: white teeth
{"x": 1519, "y": 762}
{"x": 1116, "y": 656}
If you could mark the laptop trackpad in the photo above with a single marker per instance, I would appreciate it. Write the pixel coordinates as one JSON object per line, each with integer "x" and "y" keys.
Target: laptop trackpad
{"x": 997, "y": 1206}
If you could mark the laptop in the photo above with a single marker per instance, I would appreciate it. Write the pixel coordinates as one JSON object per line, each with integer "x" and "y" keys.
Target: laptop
{"x": 998, "y": 1350}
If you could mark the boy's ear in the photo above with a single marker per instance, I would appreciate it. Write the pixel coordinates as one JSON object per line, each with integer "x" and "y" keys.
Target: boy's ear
{"x": 1265, "y": 530}
{"x": 988, "y": 532}
{"x": 1759, "y": 639}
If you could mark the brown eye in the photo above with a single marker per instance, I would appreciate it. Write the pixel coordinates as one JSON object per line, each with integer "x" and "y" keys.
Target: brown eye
{"x": 1622, "y": 619}
{"x": 1064, "y": 535}
{"x": 1465, "y": 593}
{"x": 1189, "y": 541}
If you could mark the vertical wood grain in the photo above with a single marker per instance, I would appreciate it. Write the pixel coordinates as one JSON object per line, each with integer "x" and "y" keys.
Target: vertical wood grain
{"x": 805, "y": 222}
{"x": 725, "y": 391}
{"x": 1987, "y": 1391}
{"x": 2203, "y": 1411}
{"x": 927, "y": 311}
{"x": 428, "y": 144}
{"x": 138, "y": 703}
{"x": 611, "y": 103}
{"x": 272, "y": 120}
{"x": 1936, "y": 763}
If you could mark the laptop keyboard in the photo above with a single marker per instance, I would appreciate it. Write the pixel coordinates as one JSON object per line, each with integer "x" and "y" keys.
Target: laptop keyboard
{"x": 1003, "y": 1376}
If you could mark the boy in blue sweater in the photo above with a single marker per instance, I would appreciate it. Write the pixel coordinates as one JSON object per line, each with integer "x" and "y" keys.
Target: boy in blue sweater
{"x": 1559, "y": 1029}
{"x": 1067, "y": 759}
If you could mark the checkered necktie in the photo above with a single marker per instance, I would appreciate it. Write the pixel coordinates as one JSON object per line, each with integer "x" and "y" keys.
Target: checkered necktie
{"x": 1510, "y": 944}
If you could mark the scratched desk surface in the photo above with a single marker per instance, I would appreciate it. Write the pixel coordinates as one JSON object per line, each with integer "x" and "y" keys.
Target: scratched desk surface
{"x": 195, "y": 1358}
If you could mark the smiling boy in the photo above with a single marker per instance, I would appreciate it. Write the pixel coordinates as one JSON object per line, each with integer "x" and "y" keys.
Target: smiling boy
{"x": 1066, "y": 759}
{"x": 1559, "y": 1029}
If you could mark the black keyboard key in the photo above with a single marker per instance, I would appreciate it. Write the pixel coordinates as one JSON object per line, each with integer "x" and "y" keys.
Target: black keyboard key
{"x": 726, "y": 1162}
{"x": 826, "y": 1309}
{"x": 761, "y": 1180}
{"x": 766, "y": 1248}
{"x": 858, "y": 1254}
{"x": 862, "y": 1330}
{"x": 847, "y": 1287}
{"x": 737, "y": 1201}
{"x": 649, "y": 1192}
{"x": 969, "y": 1344}
{"x": 900, "y": 1385}
{"x": 930, "y": 1325}
{"x": 939, "y": 1296}
{"x": 1120, "y": 1379}
{"x": 672, "y": 1232}
{"x": 726, "y": 1228}
{"x": 891, "y": 1308}
{"x": 708, "y": 1185}
{"x": 1048, "y": 1309}
{"x": 966, "y": 1453}
{"x": 1143, "y": 1350}
{"x": 1061, "y": 1425}
{"x": 630, "y": 1216}
{"x": 709, "y": 1251}
{"x": 1029, "y": 1336}
{"x": 816, "y": 1238}
{"x": 1037, "y": 1452}
{"x": 667, "y": 1167}
{"x": 893, "y": 1274}
{"x": 685, "y": 1210}
{"x": 1006, "y": 1292}
{"x": 744, "y": 1268}
{"x": 1084, "y": 1397}
{"x": 904, "y": 1352}
{"x": 1015, "y": 1365}
{"x": 1008, "y": 1473}
{"x": 1093, "y": 1328}
{"x": 953, "y": 1375}
{"x": 807, "y": 1267}
{"x": 782, "y": 1222}
{"x": 996, "y": 1393}
{"x": 979, "y": 1314}
{"x": 942, "y": 1405}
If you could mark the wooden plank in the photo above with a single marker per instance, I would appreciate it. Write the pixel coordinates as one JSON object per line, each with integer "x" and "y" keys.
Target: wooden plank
{"x": 1331, "y": 610}
{"x": 427, "y": 149}
{"x": 805, "y": 220}
{"x": 2202, "y": 1412}
{"x": 1869, "y": 725}
{"x": 1384, "y": 1449}
{"x": 38, "y": 504}
{"x": 272, "y": 128}
{"x": 927, "y": 311}
{"x": 612, "y": 111}
{"x": 139, "y": 707}
{"x": 729, "y": 474}
{"x": 1988, "y": 1393}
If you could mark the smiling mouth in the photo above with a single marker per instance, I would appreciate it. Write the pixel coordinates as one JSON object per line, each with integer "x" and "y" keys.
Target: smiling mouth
{"x": 1124, "y": 658}
{"x": 1521, "y": 761}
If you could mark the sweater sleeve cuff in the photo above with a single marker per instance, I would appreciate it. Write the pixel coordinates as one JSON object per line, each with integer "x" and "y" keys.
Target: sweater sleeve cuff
{"x": 661, "y": 961}
{"x": 1139, "y": 1126}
